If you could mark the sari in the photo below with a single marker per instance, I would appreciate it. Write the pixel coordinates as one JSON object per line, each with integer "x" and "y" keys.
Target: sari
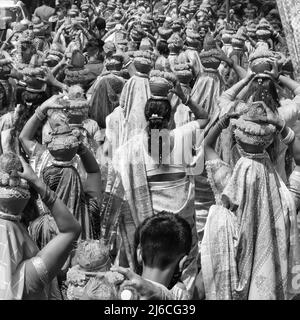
{"x": 66, "y": 179}
{"x": 133, "y": 199}
{"x": 207, "y": 90}
{"x": 249, "y": 251}
{"x": 105, "y": 96}
{"x": 17, "y": 251}
{"x": 289, "y": 111}
{"x": 134, "y": 97}
{"x": 193, "y": 57}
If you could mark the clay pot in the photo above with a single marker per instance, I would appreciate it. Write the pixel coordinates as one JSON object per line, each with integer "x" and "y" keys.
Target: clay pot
{"x": 184, "y": 76}
{"x": 159, "y": 87}
{"x": 208, "y": 60}
{"x": 142, "y": 65}
{"x": 63, "y": 147}
{"x": 260, "y": 65}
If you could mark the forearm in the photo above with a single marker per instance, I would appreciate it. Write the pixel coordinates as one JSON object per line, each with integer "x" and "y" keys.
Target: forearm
{"x": 198, "y": 111}
{"x": 290, "y": 84}
{"x": 64, "y": 219}
{"x": 232, "y": 93}
{"x": 88, "y": 160}
{"x": 86, "y": 33}
{"x": 27, "y": 134}
{"x": 58, "y": 84}
{"x": 241, "y": 72}
{"x": 252, "y": 42}
{"x": 215, "y": 132}
{"x": 56, "y": 69}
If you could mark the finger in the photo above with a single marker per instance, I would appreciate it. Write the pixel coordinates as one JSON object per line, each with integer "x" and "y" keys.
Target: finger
{"x": 23, "y": 162}
{"x": 234, "y": 115}
{"x": 21, "y": 175}
{"x": 128, "y": 283}
{"x": 125, "y": 271}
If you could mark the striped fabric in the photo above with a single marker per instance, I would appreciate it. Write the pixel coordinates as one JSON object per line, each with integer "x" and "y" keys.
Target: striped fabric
{"x": 290, "y": 16}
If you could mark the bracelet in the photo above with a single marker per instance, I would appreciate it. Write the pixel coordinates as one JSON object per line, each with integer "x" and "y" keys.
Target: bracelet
{"x": 221, "y": 123}
{"x": 128, "y": 63}
{"x": 40, "y": 114}
{"x": 230, "y": 63}
{"x": 289, "y": 138}
{"x": 49, "y": 197}
{"x": 187, "y": 100}
{"x": 283, "y": 127}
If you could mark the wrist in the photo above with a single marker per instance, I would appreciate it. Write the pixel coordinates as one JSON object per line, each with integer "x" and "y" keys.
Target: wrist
{"x": 41, "y": 112}
{"x": 38, "y": 185}
{"x": 280, "y": 125}
{"x": 230, "y": 62}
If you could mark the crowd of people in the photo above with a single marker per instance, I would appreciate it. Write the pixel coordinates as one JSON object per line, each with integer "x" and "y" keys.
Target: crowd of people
{"x": 149, "y": 150}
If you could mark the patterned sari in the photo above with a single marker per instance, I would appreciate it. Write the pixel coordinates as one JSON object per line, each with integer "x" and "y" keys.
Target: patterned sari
{"x": 17, "y": 250}
{"x": 144, "y": 199}
{"x": 207, "y": 90}
{"x": 134, "y": 96}
{"x": 249, "y": 251}
{"x": 67, "y": 181}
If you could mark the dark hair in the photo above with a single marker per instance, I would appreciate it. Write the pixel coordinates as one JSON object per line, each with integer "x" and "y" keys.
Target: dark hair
{"x": 264, "y": 90}
{"x": 162, "y": 110}
{"x": 100, "y": 23}
{"x": 162, "y": 47}
{"x": 26, "y": 112}
{"x": 163, "y": 238}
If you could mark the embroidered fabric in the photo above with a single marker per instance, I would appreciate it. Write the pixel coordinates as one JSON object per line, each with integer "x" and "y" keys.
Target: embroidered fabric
{"x": 10, "y": 217}
{"x": 17, "y": 193}
{"x": 245, "y": 154}
{"x": 218, "y": 173}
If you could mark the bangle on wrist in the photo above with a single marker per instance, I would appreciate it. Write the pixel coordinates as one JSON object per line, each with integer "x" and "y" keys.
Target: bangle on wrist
{"x": 40, "y": 114}
{"x": 283, "y": 127}
{"x": 221, "y": 125}
{"x": 49, "y": 197}
{"x": 187, "y": 100}
{"x": 289, "y": 137}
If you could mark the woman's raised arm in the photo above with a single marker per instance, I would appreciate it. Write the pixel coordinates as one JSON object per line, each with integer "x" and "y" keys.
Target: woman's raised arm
{"x": 55, "y": 253}
{"x": 27, "y": 135}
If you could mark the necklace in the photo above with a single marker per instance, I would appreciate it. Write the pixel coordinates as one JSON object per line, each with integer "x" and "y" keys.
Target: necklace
{"x": 9, "y": 217}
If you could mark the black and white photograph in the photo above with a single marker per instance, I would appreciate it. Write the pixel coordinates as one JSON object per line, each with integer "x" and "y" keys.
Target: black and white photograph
{"x": 149, "y": 150}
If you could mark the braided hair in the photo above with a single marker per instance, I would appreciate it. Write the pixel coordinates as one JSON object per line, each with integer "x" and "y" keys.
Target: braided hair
{"x": 158, "y": 115}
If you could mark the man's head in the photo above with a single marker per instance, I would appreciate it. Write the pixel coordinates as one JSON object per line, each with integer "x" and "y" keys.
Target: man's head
{"x": 164, "y": 241}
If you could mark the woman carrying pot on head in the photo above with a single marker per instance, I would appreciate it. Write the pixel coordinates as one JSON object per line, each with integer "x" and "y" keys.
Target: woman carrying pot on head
{"x": 26, "y": 272}
{"x": 55, "y": 164}
{"x": 251, "y": 244}
{"x": 153, "y": 174}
